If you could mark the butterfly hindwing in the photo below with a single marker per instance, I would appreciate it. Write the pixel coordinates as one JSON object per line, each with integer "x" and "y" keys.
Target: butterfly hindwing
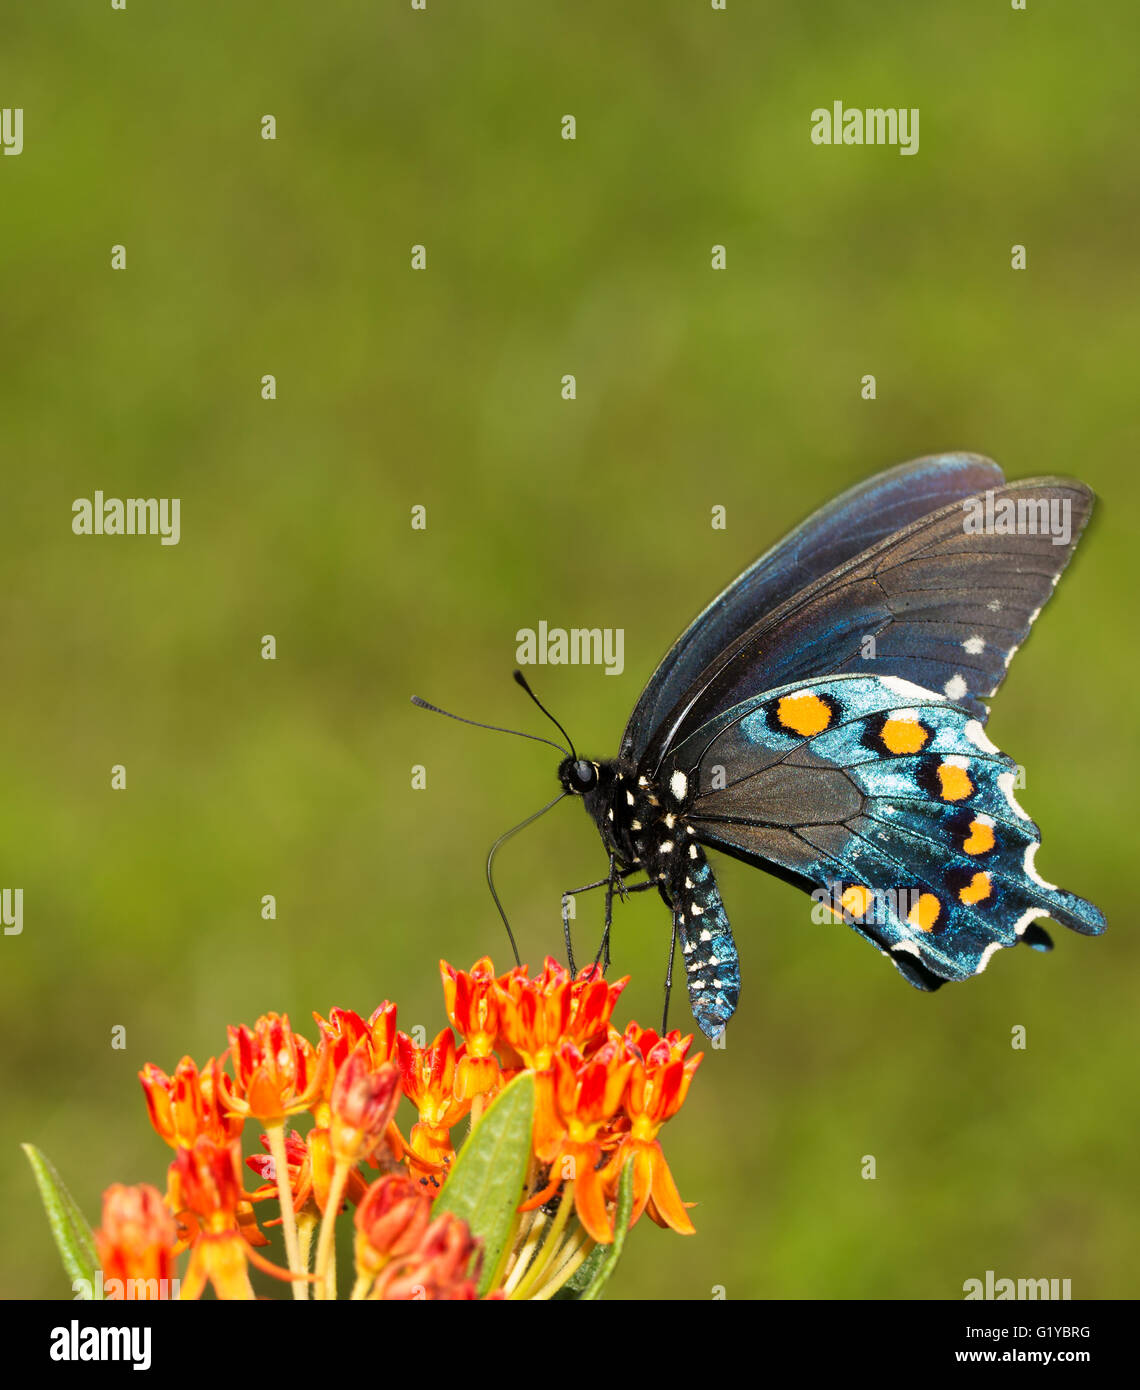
{"x": 890, "y": 799}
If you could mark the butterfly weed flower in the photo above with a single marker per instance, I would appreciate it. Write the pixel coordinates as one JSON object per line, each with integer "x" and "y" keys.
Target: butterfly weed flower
{"x": 277, "y": 1073}
{"x": 472, "y": 1004}
{"x": 403, "y": 1252}
{"x": 658, "y": 1084}
{"x": 136, "y": 1243}
{"x": 534, "y": 1147}
{"x": 189, "y": 1103}
{"x": 206, "y": 1195}
{"x": 364, "y": 1100}
{"x": 584, "y": 1102}
{"x": 537, "y": 1015}
{"x": 391, "y": 1220}
{"x": 429, "y": 1076}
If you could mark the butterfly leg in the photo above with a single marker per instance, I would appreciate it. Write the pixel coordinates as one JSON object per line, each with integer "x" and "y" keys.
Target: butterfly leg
{"x": 669, "y": 977}
{"x": 566, "y": 896}
{"x": 598, "y": 883}
{"x": 616, "y": 880}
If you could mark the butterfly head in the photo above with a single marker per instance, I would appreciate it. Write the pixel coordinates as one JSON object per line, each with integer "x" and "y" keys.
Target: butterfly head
{"x": 578, "y": 776}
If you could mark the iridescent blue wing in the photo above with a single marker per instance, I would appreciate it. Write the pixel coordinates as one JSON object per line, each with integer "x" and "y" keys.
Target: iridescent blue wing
{"x": 944, "y": 604}
{"x": 889, "y": 800}
{"x": 857, "y": 519}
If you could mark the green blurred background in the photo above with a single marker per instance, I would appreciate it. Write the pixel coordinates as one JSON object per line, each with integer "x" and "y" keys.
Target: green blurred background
{"x": 442, "y": 388}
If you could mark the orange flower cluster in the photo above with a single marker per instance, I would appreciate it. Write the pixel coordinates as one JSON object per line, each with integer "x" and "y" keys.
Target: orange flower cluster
{"x": 601, "y": 1099}
{"x": 601, "y": 1095}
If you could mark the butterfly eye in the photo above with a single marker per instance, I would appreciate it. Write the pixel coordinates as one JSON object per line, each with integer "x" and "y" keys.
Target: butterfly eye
{"x": 585, "y": 775}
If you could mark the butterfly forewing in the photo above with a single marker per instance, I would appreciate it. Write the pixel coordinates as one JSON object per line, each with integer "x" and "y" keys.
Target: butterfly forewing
{"x": 935, "y": 604}
{"x": 845, "y": 527}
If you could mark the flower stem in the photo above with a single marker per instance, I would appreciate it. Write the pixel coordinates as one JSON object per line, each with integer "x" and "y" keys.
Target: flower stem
{"x": 276, "y": 1136}
{"x": 542, "y": 1263}
{"x": 328, "y": 1230}
{"x": 527, "y": 1253}
{"x": 520, "y": 1230}
{"x": 575, "y": 1251}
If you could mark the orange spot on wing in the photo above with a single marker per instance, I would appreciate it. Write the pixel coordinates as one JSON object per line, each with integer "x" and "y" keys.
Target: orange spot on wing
{"x": 803, "y": 714}
{"x": 954, "y": 782}
{"x": 904, "y": 735}
{"x": 978, "y": 889}
{"x": 980, "y": 839}
{"x": 856, "y": 900}
{"x": 925, "y": 912}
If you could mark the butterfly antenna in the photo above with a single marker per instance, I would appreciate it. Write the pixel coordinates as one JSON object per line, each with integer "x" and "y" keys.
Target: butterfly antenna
{"x": 520, "y": 679}
{"x": 495, "y": 728}
{"x": 491, "y": 861}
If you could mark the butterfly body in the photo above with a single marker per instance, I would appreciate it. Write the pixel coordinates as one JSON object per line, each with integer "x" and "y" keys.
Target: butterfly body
{"x": 824, "y": 719}
{"x": 645, "y": 827}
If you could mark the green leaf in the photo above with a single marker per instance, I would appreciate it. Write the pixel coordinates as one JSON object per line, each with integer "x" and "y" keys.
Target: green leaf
{"x": 485, "y": 1184}
{"x": 72, "y": 1234}
{"x": 610, "y": 1254}
{"x": 584, "y": 1275}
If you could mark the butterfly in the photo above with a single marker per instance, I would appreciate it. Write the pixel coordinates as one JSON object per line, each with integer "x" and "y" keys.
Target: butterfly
{"x": 824, "y": 719}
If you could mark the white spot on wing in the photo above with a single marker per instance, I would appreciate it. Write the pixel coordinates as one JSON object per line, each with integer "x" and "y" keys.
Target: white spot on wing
{"x": 1005, "y": 786}
{"x": 907, "y": 946}
{"x": 974, "y": 645}
{"x": 1031, "y": 866}
{"x": 1030, "y": 914}
{"x": 986, "y": 954}
{"x": 955, "y": 687}
{"x": 679, "y": 785}
{"x": 979, "y": 738}
{"x": 908, "y": 690}
{"x": 994, "y": 605}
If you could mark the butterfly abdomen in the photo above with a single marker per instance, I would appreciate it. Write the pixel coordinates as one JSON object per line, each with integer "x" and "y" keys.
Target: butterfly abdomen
{"x": 646, "y": 825}
{"x": 712, "y": 967}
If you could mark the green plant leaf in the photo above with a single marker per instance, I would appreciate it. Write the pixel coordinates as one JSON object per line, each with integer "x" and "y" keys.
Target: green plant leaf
{"x": 610, "y": 1254}
{"x": 486, "y": 1180}
{"x": 70, "y": 1231}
